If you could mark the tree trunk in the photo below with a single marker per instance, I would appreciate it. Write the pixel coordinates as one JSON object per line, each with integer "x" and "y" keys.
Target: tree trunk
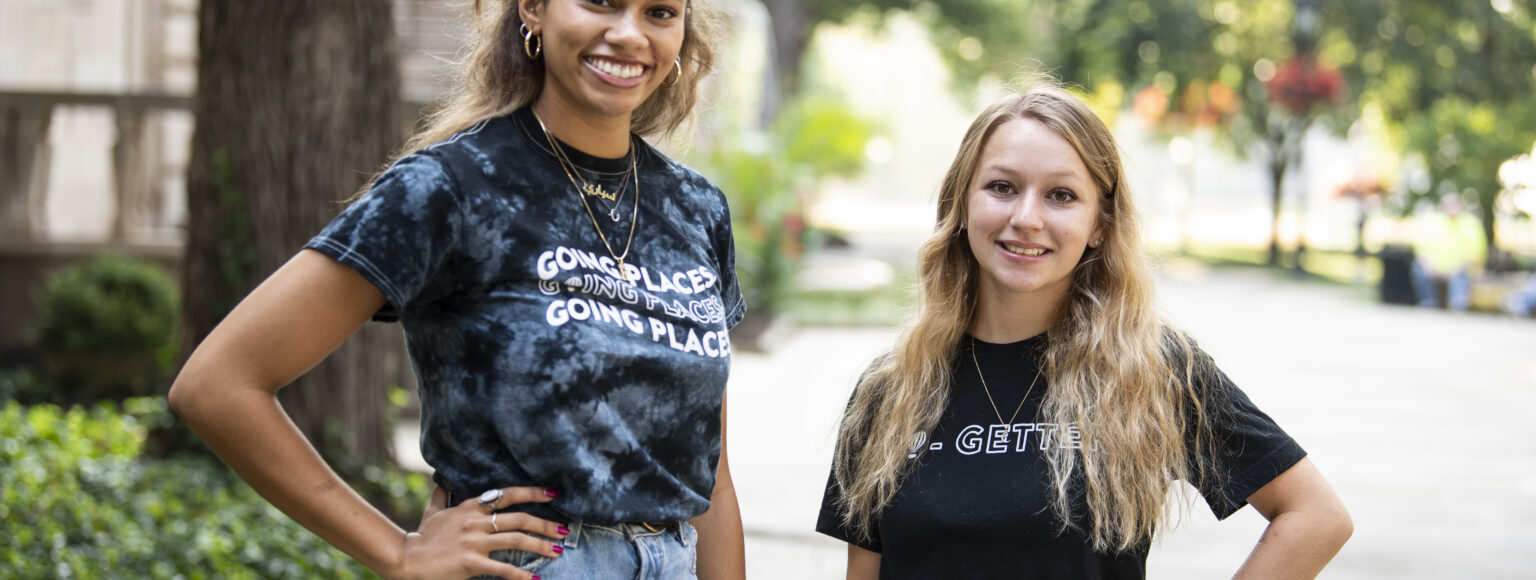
{"x": 792, "y": 26}
{"x": 1284, "y": 142}
{"x": 297, "y": 104}
{"x": 1494, "y": 261}
{"x": 1276, "y": 199}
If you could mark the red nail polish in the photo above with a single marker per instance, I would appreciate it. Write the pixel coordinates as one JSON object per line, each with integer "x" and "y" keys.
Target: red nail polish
{"x": 558, "y": 549}
{"x": 564, "y": 531}
{"x": 537, "y": 578}
{"x": 551, "y": 493}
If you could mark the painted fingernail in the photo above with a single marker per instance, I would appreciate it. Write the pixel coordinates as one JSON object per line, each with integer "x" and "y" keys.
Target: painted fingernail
{"x": 537, "y": 578}
{"x": 564, "y": 531}
{"x": 551, "y": 493}
{"x": 558, "y": 549}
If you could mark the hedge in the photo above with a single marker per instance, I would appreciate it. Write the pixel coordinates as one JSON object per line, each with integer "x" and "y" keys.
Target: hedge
{"x": 77, "y": 500}
{"x": 107, "y": 329}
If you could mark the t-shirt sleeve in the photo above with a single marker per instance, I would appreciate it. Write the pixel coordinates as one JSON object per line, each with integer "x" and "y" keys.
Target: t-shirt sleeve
{"x": 398, "y": 234}
{"x": 1248, "y": 448}
{"x": 730, "y": 288}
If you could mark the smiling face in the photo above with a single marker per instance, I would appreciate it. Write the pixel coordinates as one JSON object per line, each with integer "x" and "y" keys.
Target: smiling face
{"x": 604, "y": 58}
{"x": 1032, "y": 209}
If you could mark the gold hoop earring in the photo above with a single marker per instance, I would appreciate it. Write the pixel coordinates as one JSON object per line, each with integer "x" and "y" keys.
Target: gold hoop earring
{"x": 532, "y": 45}
{"x": 679, "y": 76}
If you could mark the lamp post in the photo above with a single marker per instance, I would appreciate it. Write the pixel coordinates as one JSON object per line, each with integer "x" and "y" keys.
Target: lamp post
{"x": 1305, "y": 25}
{"x": 1304, "y": 36}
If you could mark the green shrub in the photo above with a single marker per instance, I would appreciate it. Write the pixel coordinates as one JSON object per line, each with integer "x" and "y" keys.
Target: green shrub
{"x": 108, "y": 328}
{"x": 768, "y": 177}
{"x": 23, "y": 383}
{"x": 78, "y": 501}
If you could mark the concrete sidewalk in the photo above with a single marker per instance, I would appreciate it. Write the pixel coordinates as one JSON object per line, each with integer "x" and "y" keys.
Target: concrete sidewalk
{"x": 1422, "y": 420}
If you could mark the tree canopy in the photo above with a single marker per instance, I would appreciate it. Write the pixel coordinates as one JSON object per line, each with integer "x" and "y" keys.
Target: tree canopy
{"x": 1449, "y": 83}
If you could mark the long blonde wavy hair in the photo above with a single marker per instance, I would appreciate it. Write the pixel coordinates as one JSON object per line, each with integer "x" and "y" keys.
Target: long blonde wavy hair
{"x": 497, "y": 77}
{"x": 1114, "y": 366}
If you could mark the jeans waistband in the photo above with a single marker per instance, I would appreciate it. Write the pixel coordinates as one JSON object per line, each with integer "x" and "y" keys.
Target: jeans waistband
{"x": 629, "y": 531}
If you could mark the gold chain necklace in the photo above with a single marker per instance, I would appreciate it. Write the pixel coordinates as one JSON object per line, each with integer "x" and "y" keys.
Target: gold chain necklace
{"x": 613, "y": 210}
{"x": 1008, "y": 434}
{"x": 590, "y": 189}
{"x": 587, "y": 188}
{"x": 581, "y": 194}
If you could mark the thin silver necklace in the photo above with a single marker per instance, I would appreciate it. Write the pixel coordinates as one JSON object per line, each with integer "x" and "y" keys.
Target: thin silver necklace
{"x": 1008, "y": 434}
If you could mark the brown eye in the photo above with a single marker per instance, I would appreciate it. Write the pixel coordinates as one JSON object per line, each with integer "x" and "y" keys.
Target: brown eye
{"x": 1063, "y": 196}
{"x": 1000, "y": 187}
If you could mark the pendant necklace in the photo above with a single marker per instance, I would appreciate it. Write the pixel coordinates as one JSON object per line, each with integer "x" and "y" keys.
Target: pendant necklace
{"x": 584, "y": 189}
{"x": 592, "y": 188}
{"x": 1007, "y": 435}
{"x": 613, "y": 210}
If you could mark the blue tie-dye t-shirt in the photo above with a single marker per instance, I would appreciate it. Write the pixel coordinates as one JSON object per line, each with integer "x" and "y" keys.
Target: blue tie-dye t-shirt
{"x": 537, "y": 363}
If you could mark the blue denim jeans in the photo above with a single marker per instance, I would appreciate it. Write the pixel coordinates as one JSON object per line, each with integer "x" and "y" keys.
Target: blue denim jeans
{"x": 617, "y": 551}
{"x": 1458, "y": 289}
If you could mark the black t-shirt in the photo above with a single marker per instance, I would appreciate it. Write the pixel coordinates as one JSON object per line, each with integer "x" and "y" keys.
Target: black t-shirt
{"x": 976, "y": 505}
{"x": 538, "y": 363}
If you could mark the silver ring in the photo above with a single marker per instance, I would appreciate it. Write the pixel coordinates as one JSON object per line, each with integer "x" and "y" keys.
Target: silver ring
{"x": 494, "y": 529}
{"x": 490, "y": 497}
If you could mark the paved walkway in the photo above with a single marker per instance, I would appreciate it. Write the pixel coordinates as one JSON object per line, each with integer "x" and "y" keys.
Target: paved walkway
{"x": 1425, "y": 422}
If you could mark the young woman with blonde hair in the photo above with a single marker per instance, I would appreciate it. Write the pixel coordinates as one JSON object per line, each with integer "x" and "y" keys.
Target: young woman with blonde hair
{"x": 566, "y": 292}
{"x": 1033, "y": 416}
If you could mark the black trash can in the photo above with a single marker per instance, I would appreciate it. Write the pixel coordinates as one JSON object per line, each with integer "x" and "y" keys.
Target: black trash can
{"x": 1397, "y": 275}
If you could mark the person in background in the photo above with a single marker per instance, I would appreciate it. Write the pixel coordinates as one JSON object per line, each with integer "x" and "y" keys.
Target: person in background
{"x": 1034, "y": 414}
{"x": 1522, "y": 302}
{"x": 1448, "y": 248}
{"x": 565, "y": 291}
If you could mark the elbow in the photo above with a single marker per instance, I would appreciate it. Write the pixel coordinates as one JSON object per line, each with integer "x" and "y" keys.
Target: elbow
{"x": 1340, "y": 526}
{"x": 194, "y": 386}
{"x": 179, "y": 398}
{"x": 194, "y": 402}
{"x": 1330, "y": 527}
{"x": 202, "y": 396}
{"x": 189, "y": 393}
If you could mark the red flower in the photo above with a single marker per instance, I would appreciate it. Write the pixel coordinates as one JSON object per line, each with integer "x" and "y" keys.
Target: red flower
{"x": 1302, "y": 82}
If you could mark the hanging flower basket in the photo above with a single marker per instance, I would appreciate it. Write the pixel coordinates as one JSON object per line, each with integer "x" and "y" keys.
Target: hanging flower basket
{"x": 1302, "y": 82}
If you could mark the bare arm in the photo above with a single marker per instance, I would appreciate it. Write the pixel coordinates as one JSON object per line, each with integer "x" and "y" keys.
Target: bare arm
{"x": 862, "y": 564}
{"x": 227, "y": 394}
{"x": 722, "y": 548}
{"x": 1307, "y": 525}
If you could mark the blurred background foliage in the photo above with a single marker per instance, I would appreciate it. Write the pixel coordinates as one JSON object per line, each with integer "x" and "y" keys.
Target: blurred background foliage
{"x": 88, "y": 450}
{"x": 80, "y": 500}
{"x": 768, "y": 176}
{"x": 1445, "y": 86}
{"x": 108, "y": 330}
